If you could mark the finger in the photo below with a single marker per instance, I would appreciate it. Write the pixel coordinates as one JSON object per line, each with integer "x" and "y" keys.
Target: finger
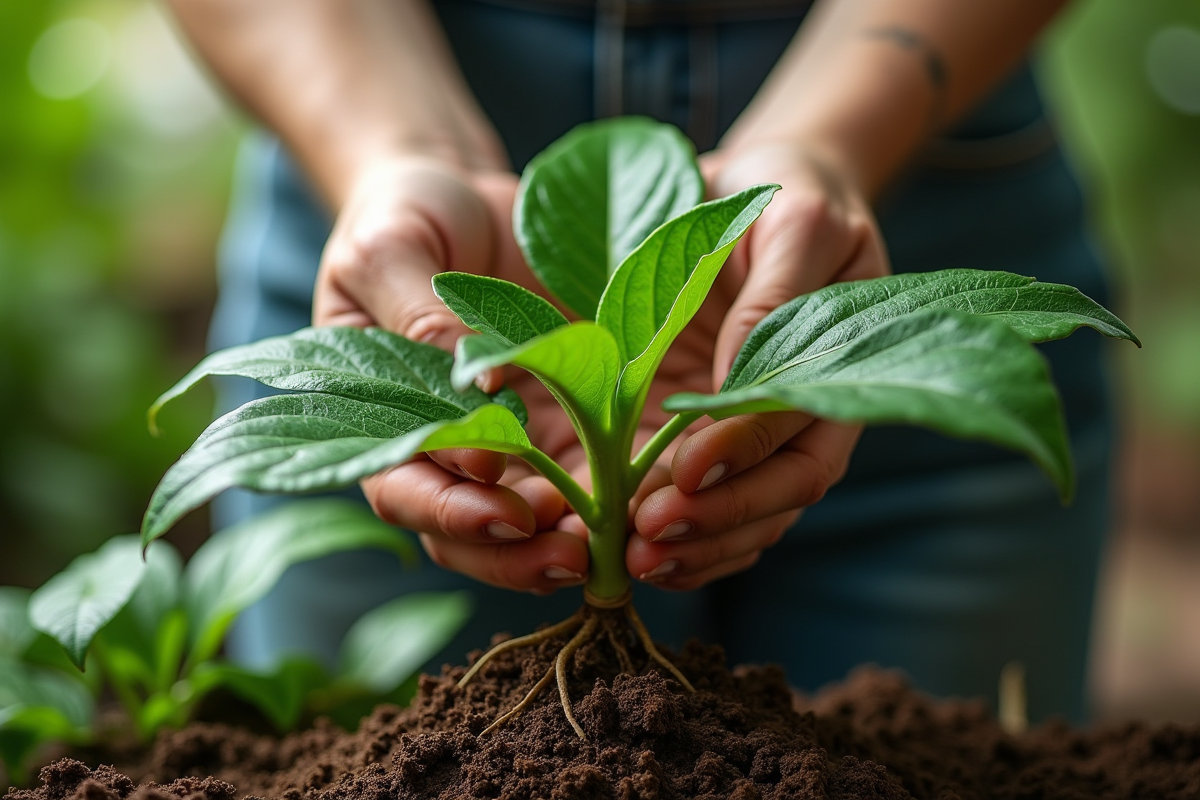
{"x": 689, "y": 583}
{"x": 483, "y": 466}
{"x": 548, "y": 561}
{"x": 658, "y": 476}
{"x": 424, "y": 497}
{"x": 544, "y": 500}
{"x": 657, "y": 561}
{"x": 797, "y": 475}
{"x": 731, "y": 446}
{"x": 798, "y": 246}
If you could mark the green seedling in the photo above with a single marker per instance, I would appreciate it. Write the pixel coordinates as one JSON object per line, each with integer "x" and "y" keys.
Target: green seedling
{"x": 611, "y": 222}
{"x": 150, "y": 631}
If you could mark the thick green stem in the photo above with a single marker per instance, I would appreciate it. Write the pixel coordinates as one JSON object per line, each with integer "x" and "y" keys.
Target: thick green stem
{"x": 607, "y": 576}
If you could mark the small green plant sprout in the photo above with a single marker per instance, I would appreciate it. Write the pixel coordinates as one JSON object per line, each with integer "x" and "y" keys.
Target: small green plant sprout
{"x": 611, "y": 222}
{"x": 150, "y": 631}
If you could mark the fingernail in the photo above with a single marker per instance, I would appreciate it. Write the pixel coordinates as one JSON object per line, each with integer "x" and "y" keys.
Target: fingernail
{"x": 481, "y": 381}
{"x": 466, "y": 472}
{"x": 714, "y": 474}
{"x": 502, "y": 530}
{"x": 561, "y": 574}
{"x": 673, "y": 530}
{"x": 662, "y": 570}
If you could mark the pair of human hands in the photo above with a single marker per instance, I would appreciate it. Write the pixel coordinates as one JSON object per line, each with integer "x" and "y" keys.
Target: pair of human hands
{"x": 713, "y": 503}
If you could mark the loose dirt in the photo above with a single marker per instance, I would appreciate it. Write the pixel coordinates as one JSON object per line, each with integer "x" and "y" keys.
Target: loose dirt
{"x": 743, "y": 735}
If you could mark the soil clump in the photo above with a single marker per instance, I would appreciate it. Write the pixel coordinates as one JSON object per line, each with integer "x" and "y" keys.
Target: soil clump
{"x": 742, "y": 735}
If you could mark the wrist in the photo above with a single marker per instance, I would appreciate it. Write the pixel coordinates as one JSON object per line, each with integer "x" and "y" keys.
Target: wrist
{"x": 353, "y": 160}
{"x": 871, "y": 106}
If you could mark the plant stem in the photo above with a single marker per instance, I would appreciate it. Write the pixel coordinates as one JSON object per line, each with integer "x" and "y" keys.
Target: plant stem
{"x": 607, "y": 576}
{"x": 657, "y": 444}
{"x": 579, "y": 500}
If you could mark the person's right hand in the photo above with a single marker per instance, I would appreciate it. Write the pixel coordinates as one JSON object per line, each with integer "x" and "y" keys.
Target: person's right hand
{"x": 408, "y": 220}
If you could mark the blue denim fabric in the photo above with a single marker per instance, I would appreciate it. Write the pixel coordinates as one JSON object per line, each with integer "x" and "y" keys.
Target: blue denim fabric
{"x": 947, "y": 559}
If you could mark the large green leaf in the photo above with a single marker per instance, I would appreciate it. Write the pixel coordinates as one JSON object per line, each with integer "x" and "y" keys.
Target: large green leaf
{"x": 368, "y": 365}
{"x": 647, "y": 286}
{"x": 279, "y": 693}
{"x": 829, "y": 318}
{"x": 577, "y": 362}
{"x": 314, "y": 442}
{"x": 239, "y": 565}
{"x": 965, "y": 376}
{"x": 16, "y": 632}
{"x": 661, "y": 286}
{"x": 387, "y": 645}
{"x": 503, "y": 310}
{"x": 76, "y": 603}
{"x": 594, "y": 195}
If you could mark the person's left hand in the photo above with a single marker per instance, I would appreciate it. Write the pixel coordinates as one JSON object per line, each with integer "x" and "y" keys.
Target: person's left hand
{"x": 733, "y": 487}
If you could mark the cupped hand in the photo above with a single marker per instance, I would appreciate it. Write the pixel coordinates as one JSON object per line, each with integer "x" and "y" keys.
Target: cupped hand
{"x": 405, "y": 221}
{"x": 733, "y": 487}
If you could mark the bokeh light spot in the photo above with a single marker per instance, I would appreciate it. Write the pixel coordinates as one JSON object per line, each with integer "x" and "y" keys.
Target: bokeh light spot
{"x": 1173, "y": 67}
{"x": 69, "y": 58}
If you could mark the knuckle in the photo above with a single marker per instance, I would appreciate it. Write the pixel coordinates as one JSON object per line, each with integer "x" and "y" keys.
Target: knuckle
{"x": 760, "y": 440}
{"x": 443, "y": 510}
{"x": 734, "y": 504}
{"x": 378, "y": 243}
{"x": 422, "y": 321}
{"x": 821, "y": 478}
{"x": 503, "y": 567}
{"x": 810, "y": 211}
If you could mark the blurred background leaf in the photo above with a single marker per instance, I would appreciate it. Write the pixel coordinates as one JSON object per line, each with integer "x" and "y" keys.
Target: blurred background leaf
{"x": 114, "y": 166}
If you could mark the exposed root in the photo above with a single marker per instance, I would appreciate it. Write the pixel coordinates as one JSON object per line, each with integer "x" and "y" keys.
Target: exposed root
{"x": 524, "y": 704}
{"x": 651, "y": 650}
{"x": 589, "y": 620}
{"x": 523, "y": 641}
{"x": 614, "y": 638}
{"x": 560, "y": 669}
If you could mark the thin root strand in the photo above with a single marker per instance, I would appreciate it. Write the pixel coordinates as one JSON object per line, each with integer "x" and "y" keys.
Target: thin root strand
{"x": 589, "y": 620}
{"x": 522, "y": 641}
{"x": 619, "y": 648}
{"x": 524, "y": 704}
{"x": 560, "y": 669}
{"x": 652, "y": 651}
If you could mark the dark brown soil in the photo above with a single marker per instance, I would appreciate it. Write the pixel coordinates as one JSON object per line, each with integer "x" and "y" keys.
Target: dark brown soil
{"x": 742, "y": 735}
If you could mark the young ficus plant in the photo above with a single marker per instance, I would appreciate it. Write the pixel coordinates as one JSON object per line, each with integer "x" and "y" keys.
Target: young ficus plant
{"x": 611, "y": 222}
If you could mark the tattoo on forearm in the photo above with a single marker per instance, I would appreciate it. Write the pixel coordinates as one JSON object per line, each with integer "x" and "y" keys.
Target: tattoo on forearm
{"x": 935, "y": 65}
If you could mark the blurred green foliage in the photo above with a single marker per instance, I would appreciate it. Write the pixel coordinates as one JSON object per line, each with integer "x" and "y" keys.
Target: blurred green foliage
{"x": 1125, "y": 80}
{"x": 93, "y": 200}
{"x": 114, "y": 165}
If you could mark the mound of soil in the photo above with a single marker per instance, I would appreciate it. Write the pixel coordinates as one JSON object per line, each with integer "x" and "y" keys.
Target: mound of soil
{"x": 743, "y": 735}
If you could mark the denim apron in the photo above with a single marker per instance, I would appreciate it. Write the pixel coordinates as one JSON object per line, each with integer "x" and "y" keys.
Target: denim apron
{"x": 944, "y": 558}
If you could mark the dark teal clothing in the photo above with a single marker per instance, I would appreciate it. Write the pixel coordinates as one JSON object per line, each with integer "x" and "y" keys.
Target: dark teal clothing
{"x": 945, "y": 558}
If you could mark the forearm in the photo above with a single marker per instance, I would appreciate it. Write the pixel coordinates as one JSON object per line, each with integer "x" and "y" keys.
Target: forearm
{"x": 344, "y": 82}
{"x": 867, "y": 81}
